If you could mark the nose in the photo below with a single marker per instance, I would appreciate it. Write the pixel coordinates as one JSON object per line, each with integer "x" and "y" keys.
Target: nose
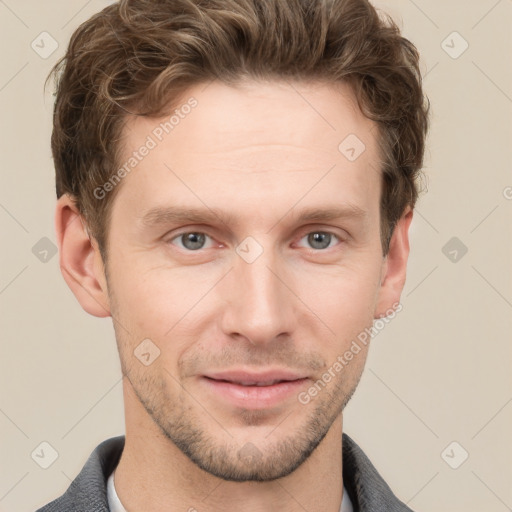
{"x": 259, "y": 304}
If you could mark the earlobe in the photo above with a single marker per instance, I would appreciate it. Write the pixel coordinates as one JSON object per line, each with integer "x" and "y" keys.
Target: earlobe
{"x": 394, "y": 267}
{"x": 79, "y": 259}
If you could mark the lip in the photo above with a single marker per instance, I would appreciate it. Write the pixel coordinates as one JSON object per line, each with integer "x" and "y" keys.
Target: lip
{"x": 246, "y": 377}
{"x": 254, "y": 390}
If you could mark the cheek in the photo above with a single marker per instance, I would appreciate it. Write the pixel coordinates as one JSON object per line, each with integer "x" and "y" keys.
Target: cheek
{"x": 344, "y": 296}
{"x": 156, "y": 303}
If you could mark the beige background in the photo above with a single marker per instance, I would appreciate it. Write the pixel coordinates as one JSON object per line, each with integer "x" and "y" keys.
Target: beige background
{"x": 440, "y": 372}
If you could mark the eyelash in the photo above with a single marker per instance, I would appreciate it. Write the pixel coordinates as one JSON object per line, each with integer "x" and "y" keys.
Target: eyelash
{"x": 334, "y": 235}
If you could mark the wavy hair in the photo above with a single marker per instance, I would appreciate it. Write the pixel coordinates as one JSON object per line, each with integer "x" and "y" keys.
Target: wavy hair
{"x": 139, "y": 56}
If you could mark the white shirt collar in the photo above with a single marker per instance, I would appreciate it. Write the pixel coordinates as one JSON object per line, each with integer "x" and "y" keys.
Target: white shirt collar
{"x": 115, "y": 505}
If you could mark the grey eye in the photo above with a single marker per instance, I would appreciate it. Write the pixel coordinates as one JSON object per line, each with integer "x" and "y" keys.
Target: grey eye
{"x": 192, "y": 241}
{"x": 319, "y": 240}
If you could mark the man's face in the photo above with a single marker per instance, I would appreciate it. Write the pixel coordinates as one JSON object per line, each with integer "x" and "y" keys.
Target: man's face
{"x": 266, "y": 268}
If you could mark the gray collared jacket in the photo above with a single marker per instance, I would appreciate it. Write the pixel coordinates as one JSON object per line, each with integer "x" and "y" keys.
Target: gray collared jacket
{"x": 88, "y": 491}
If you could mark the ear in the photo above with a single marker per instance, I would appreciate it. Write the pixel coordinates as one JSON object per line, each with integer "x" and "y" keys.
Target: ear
{"x": 80, "y": 260}
{"x": 394, "y": 266}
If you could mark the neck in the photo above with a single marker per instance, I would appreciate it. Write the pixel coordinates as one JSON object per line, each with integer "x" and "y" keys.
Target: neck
{"x": 154, "y": 475}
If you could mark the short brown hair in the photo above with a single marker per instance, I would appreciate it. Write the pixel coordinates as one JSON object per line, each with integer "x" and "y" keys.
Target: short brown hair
{"x": 138, "y": 56}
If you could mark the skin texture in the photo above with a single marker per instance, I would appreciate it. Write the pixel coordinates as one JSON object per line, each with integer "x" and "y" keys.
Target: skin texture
{"x": 260, "y": 153}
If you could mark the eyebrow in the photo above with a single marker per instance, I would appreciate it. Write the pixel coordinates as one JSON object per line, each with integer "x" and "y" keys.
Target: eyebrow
{"x": 159, "y": 216}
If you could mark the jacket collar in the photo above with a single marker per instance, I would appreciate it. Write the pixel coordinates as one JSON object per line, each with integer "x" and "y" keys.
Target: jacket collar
{"x": 88, "y": 491}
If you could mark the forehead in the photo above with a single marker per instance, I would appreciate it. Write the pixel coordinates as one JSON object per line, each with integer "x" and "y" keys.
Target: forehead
{"x": 262, "y": 111}
{"x": 256, "y": 141}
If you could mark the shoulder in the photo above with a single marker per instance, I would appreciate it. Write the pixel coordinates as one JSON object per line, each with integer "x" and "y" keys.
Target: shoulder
{"x": 88, "y": 491}
{"x": 364, "y": 484}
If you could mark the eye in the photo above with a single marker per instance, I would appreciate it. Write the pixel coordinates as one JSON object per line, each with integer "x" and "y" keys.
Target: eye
{"x": 319, "y": 240}
{"x": 191, "y": 241}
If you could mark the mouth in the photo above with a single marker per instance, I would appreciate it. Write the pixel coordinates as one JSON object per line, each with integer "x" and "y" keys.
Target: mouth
{"x": 254, "y": 390}
{"x": 253, "y": 383}
{"x": 262, "y": 378}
